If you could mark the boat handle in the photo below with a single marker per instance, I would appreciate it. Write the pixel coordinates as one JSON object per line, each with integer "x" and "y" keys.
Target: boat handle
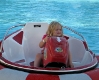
{"x": 76, "y": 33}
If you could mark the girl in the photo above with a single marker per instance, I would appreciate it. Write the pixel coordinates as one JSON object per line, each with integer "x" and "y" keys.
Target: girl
{"x": 54, "y": 29}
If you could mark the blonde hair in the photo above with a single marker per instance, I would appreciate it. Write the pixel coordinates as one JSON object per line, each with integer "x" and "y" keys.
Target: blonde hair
{"x": 52, "y": 27}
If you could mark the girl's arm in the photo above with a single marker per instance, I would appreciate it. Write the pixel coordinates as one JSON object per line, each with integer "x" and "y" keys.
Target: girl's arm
{"x": 42, "y": 42}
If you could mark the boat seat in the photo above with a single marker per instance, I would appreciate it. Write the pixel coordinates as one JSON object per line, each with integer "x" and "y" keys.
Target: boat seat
{"x": 79, "y": 54}
{"x": 77, "y": 49}
{"x": 31, "y": 42}
{"x": 87, "y": 58}
{"x": 13, "y": 51}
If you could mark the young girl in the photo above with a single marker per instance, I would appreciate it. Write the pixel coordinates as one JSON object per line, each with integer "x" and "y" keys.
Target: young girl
{"x": 54, "y": 29}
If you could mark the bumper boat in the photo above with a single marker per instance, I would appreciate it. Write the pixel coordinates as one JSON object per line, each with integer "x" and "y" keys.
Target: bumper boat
{"x": 18, "y": 50}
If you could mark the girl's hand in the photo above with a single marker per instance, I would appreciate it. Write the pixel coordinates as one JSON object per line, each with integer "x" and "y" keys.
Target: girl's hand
{"x": 43, "y": 42}
{"x": 45, "y": 39}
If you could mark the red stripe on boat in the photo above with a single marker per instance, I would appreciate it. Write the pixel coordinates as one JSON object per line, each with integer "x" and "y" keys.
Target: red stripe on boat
{"x": 85, "y": 44}
{"x": 94, "y": 74}
{"x": 42, "y": 77}
{"x": 20, "y": 61}
{"x": 1, "y": 67}
{"x": 18, "y": 38}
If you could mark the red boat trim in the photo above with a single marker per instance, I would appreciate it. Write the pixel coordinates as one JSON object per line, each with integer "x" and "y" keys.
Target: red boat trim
{"x": 42, "y": 77}
{"x": 19, "y": 37}
{"x": 1, "y": 67}
{"x": 20, "y": 61}
{"x": 85, "y": 44}
{"x": 94, "y": 74}
{"x": 11, "y": 34}
{"x": 30, "y": 69}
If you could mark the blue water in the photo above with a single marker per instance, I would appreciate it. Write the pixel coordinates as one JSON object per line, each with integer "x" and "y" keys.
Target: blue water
{"x": 82, "y": 16}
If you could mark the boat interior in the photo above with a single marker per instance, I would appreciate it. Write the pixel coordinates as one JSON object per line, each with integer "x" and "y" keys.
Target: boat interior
{"x": 22, "y": 46}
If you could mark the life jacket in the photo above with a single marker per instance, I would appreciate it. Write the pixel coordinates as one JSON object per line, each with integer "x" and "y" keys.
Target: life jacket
{"x": 56, "y": 52}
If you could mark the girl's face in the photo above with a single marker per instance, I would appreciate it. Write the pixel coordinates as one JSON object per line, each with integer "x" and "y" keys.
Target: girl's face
{"x": 57, "y": 31}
